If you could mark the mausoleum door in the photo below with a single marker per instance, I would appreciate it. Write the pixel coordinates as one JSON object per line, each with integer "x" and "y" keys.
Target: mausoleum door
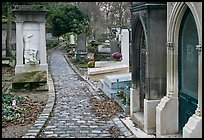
{"x": 142, "y": 63}
{"x": 187, "y": 69}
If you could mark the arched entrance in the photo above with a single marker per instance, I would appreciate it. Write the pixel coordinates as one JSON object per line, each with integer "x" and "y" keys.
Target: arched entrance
{"x": 141, "y": 47}
{"x": 187, "y": 68}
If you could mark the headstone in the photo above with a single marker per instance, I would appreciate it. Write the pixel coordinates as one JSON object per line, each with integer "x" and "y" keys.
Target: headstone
{"x": 104, "y": 48}
{"x": 71, "y": 40}
{"x": 81, "y": 47}
{"x": 125, "y": 46}
{"x": 121, "y": 67}
{"x": 81, "y": 42}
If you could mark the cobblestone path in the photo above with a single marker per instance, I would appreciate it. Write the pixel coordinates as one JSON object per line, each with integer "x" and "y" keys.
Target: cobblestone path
{"x": 72, "y": 115}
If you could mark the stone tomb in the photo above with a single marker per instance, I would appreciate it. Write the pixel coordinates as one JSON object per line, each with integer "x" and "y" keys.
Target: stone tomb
{"x": 110, "y": 86}
{"x": 31, "y": 54}
{"x": 109, "y": 68}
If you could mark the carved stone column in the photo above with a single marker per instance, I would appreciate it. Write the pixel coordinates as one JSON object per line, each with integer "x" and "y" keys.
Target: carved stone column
{"x": 170, "y": 69}
{"x": 43, "y": 55}
{"x": 19, "y": 43}
{"x": 199, "y": 105}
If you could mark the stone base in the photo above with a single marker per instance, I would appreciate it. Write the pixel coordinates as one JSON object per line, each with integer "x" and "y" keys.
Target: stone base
{"x": 31, "y": 81}
{"x": 134, "y": 101}
{"x": 99, "y": 73}
{"x": 167, "y": 117}
{"x": 31, "y": 67}
{"x": 138, "y": 118}
{"x": 150, "y": 115}
{"x": 193, "y": 128}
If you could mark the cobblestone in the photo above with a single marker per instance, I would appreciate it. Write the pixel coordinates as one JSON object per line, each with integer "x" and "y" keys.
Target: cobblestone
{"x": 72, "y": 116}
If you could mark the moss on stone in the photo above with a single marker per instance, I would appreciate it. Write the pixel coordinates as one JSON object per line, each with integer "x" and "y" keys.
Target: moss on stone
{"x": 34, "y": 76}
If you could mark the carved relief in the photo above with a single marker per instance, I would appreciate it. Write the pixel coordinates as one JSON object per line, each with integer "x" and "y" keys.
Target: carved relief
{"x": 30, "y": 53}
{"x": 170, "y": 46}
{"x": 172, "y": 5}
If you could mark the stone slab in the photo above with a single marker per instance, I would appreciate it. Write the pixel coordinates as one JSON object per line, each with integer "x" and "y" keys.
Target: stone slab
{"x": 107, "y": 69}
{"x": 136, "y": 131}
{"x": 109, "y": 92}
{"x": 124, "y": 80}
{"x": 105, "y": 63}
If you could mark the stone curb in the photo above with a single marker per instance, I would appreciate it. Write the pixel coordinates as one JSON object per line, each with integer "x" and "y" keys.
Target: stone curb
{"x": 36, "y": 128}
{"x": 43, "y": 117}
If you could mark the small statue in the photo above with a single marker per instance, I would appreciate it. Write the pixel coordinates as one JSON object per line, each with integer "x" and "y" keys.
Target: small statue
{"x": 29, "y": 52}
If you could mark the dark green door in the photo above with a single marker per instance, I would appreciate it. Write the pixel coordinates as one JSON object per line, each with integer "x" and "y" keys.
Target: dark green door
{"x": 188, "y": 69}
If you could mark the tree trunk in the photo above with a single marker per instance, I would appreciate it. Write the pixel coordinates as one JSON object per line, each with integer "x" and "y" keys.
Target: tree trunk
{"x": 9, "y": 32}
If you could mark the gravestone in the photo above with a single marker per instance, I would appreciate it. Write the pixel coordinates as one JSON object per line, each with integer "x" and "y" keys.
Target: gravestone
{"x": 81, "y": 47}
{"x": 71, "y": 40}
{"x": 104, "y": 48}
{"x": 81, "y": 42}
{"x": 31, "y": 57}
{"x": 125, "y": 46}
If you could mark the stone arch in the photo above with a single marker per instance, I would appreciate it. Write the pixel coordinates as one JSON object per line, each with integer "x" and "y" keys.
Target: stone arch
{"x": 173, "y": 33}
{"x": 135, "y": 19}
{"x": 175, "y": 20}
{"x": 140, "y": 37}
{"x": 176, "y": 17}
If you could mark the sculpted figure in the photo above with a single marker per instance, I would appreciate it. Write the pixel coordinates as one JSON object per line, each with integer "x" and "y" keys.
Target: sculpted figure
{"x": 30, "y": 53}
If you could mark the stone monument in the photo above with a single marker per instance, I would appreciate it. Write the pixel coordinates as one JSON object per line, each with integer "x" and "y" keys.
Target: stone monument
{"x": 81, "y": 47}
{"x": 103, "y": 68}
{"x": 31, "y": 54}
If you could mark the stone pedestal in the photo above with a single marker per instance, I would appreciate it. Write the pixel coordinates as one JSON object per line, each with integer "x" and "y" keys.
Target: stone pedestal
{"x": 30, "y": 20}
{"x": 30, "y": 39}
{"x": 193, "y": 129}
{"x": 150, "y": 115}
{"x": 167, "y": 117}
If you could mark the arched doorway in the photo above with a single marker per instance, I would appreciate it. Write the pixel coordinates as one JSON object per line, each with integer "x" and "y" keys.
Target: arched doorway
{"x": 141, "y": 47}
{"x": 187, "y": 68}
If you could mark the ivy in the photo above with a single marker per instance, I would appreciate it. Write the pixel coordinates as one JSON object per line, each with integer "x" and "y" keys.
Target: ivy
{"x": 9, "y": 111}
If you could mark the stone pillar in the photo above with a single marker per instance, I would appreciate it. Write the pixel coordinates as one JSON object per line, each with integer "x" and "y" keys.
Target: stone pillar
{"x": 134, "y": 101}
{"x": 19, "y": 44}
{"x": 167, "y": 109}
{"x": 125, "y": 46}
{"x": 43, "y": 55}
{"x": 170, "y": 69}
{"x": 199, "y": 108}
{"x": 150, "y": 115}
